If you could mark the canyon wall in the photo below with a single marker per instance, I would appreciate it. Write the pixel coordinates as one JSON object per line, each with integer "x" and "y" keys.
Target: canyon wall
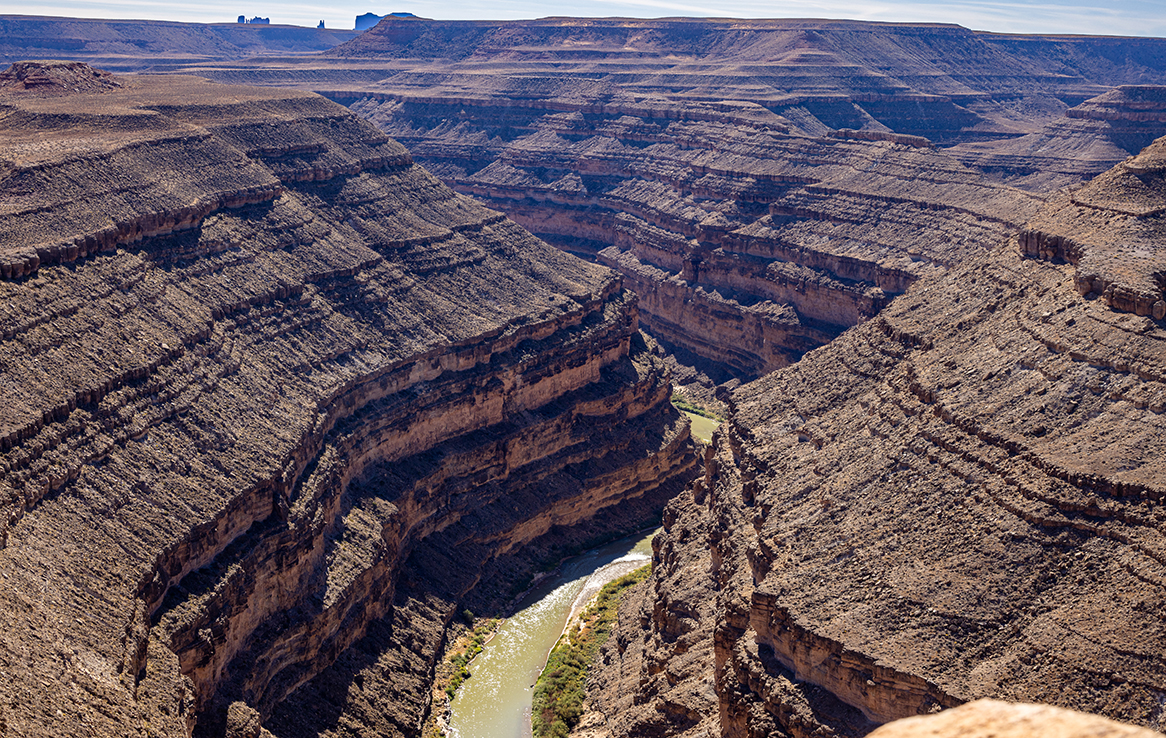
{"x": 963, "y": 497}
{"x": 747, "y": 245}
{"x": 275, "y": 400}
{"x": 761, "y": 184}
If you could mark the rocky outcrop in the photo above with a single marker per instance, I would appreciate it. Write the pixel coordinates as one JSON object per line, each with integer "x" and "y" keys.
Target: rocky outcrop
{"x": 994, "y": 718}
{"x": 960, "y": 498}
{"x": 62, "y": 77}
{"x": 1112, "y": 230}
{"x": 275, "y": 401}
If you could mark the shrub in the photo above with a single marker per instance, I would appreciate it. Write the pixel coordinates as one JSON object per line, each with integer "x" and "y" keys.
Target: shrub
{"x": 562, "y": 687}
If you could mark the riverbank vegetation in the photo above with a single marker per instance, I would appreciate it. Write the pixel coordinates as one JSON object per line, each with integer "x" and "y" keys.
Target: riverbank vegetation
{"x": 467, "y": 642}
{"x": 704, "y": 420}
{"x": 559, "y": 691}
{"x": 683, "y": 403}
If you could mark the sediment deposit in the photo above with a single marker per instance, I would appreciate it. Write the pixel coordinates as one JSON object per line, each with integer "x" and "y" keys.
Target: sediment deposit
{"x": 961, "y": 498}
{"x": 274, "y": 400}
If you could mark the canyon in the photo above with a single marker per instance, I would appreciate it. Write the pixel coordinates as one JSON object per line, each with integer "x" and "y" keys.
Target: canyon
{"x": 762, "y": 185}
{"x": 283, "y": 403}
{"x": 1012, "y": 410}
{"x": 276, "y": 400}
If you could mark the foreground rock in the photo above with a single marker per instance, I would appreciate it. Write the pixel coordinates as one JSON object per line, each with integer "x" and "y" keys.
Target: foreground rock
{"x": 994, "y": 719}
{"x": 274, "y": 400}
{"x": 964, "y": 497}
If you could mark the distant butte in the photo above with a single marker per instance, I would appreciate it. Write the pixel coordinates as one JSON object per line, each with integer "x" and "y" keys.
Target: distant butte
{"x": 55, "y": 78}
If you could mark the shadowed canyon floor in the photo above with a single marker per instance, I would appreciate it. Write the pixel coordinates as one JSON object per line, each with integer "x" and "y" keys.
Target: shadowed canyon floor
{"x": 275, "y": 400}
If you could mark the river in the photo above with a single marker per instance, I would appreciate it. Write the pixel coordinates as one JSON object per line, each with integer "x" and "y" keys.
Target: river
{"x": 495, "y": 701}
{"x": 702, "y": 427}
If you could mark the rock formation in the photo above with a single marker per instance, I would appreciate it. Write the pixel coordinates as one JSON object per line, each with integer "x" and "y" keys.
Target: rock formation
{"x": 274, "y": 400}
{"x": 963, "y": 497}
{"x": 761, "y": 184}
{"x": 995, "y": 719}
{"x": 1087, "y": 141}
{"x": 951, "y": 487}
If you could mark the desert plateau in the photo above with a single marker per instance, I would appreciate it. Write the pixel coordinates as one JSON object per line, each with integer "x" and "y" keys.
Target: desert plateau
{"x": 319, "y": 349}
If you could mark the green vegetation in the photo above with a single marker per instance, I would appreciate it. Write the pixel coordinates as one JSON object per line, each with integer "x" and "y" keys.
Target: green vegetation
{"x": 461, "y": 656}
{"x": 559, "y": 691}
{"x": 704, "y": 421}
{"x": 688, "y": 407}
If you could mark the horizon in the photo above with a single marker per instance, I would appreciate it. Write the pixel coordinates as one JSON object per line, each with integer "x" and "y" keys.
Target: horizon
{"x": 1128, "y": 18}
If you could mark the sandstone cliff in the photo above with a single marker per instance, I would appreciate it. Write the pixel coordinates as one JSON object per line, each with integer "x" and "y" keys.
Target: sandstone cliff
{"x": 963, "y": 497}
{"x": 274, "y": 400}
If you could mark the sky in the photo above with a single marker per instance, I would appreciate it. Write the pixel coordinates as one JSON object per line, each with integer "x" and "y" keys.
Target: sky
{"x": 1107, "y": 17}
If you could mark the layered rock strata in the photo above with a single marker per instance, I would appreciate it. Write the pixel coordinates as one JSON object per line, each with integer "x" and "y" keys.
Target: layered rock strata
{"x": 1089, "y": 139}
{"x": 762, "y": 184}
{"x": 963, "y": 497}
{"x": 748, "y": 245}
{"x": 274, "y": 400}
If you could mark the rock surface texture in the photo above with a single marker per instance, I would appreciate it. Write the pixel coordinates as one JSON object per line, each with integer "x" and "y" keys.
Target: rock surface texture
{"x": 274, "y": 399}
{"x": 963, "y": 497}
{"x": 995, "y": 719}
{"x": 761, "y": 184}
